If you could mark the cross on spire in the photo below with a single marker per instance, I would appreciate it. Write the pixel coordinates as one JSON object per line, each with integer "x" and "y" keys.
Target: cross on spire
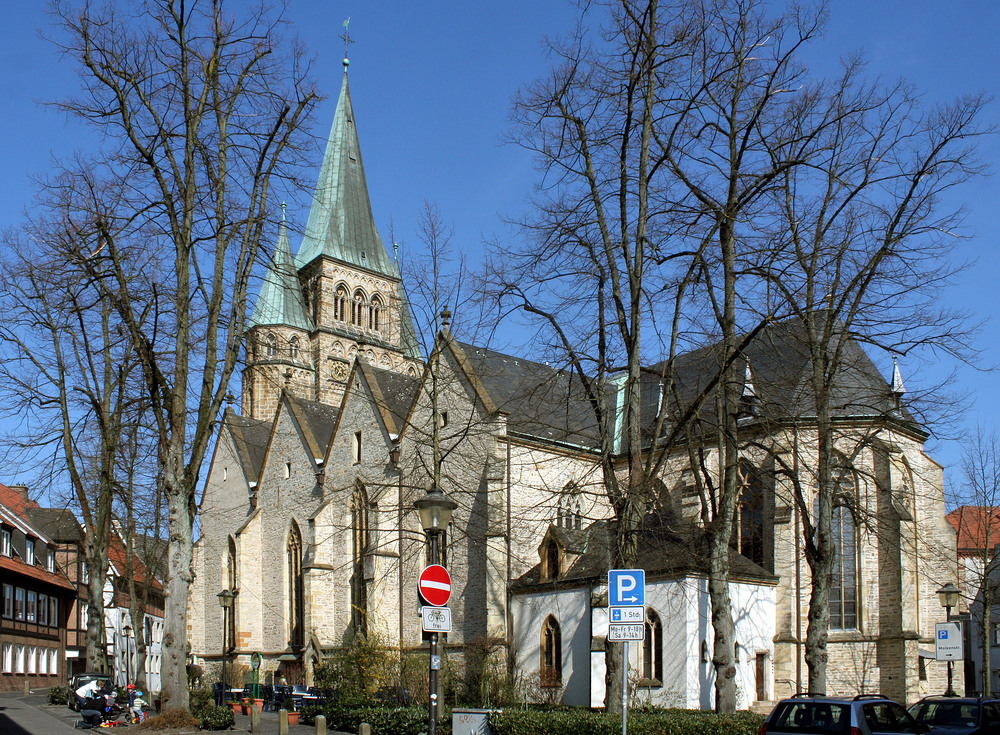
{"x": 347, "y": 43}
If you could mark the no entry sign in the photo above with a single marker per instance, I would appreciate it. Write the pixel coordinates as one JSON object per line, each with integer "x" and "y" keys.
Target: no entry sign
{"x": 435, "y": 585}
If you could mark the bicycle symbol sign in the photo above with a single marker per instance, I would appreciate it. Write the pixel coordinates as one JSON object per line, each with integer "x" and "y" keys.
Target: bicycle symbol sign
{"x": 435, "y": 619}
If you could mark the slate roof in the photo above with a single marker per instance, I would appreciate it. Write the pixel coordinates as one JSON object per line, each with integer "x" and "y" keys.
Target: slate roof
{"x": 59, "y": 524}
{"x": 250, "y": 437}
{"x": 280, "y": 299}
{"x": 317, "y": 422}
{"x": 670, "y": 549}
{"x": 541, "y": 401}
{"x": 394, "y": 394}
{"x": 341, "y": 224}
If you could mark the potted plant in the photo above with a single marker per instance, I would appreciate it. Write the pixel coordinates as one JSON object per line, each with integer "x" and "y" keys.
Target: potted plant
{"x": 245, "y": 706}
{"x": 293, "y": 714}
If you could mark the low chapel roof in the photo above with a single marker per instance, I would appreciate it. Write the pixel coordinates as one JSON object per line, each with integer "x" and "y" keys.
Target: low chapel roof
{"x": 317, "y": 422}
{"x": 250, "y": 438}
{"x": 394, "y": 393}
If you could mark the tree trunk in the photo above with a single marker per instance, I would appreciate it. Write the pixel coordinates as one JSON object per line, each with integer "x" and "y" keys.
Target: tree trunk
{"x": 173, "y": 666}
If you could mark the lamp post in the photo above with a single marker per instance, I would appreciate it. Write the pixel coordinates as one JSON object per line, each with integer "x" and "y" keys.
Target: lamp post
{"x": 226, "y": 601}
{"x": 435, "y": 510}
{"x": 128, "y": 649}
{"x": 949, "y": 595}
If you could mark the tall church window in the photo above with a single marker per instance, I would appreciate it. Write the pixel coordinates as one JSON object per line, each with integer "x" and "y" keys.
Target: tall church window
{"x": 550, "y": 671}
{"x": 293, "y": 348}
{"x": 844, "y": 580}
{"x": 652, "y": 648}
{"x": 233, "y": 581}
{"x": 749, "y": 529}
{"x": 270, "y": 345}
{"x": 296, "y": 596}
{"x": 375, "y": 314}
{"x": 358, "y": 309}
{"x": 340, "y": 304}
{"x": 361, "y": 531}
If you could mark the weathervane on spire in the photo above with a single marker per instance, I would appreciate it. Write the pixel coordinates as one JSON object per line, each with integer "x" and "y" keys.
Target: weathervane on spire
{"x": 347, "y": 43}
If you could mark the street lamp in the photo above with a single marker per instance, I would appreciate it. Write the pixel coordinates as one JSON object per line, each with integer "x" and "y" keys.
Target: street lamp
{"x": 128, "y": 650}
{"x": 949, "y": 595}
{"x": 435, "y": 510}
{"x": 226, "y": 601}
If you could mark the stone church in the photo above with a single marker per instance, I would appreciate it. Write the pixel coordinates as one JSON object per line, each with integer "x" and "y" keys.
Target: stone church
{"x": 307, "y": 513}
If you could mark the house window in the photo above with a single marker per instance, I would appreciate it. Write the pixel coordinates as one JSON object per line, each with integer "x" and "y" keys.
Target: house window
{"x": 29, "y": 552}
{"x": 357, "y": 447}
{"x": 54, "y": 611}
{"x": 550, "y": 673}
{"x": 43, "y": 609}
{"x": 43, "y": 660}
{"x": 995, "y": 637}
{"x": 19, "y": 604}
{"x": 5, "y": 545}
{"x": 652, "y": 649}
{"x": 7, "y": 661}
{"x": 8, "y": 600}
{"x": 84, "y": 573}
{"x": 844, "y": 580}
{"x": 18, "y": 658}
{"x": 32, "y": 606}
{"x": 32, "y": 659}
{"x": 54, "y": 662}
{"x": 50, "y": 561}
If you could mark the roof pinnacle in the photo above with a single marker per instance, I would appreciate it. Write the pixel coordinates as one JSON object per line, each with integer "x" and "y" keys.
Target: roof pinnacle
{"x": 347, "y": 44}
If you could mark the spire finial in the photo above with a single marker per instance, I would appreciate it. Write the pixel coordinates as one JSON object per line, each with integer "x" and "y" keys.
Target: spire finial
{"x": 283, "y": 206}
{"x": 347, "y": 44}
{"x": 898, "y": 388}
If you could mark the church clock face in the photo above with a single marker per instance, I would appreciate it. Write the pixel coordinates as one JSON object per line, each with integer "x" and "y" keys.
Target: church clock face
{"x": 340, "y": 370}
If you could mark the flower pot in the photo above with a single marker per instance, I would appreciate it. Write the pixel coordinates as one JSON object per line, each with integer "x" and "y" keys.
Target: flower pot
{"x": 237, "y": 707}
{"x": 245, "y": 708}
{"x": 293, "y": 718}
{"x": 260, "y": 704}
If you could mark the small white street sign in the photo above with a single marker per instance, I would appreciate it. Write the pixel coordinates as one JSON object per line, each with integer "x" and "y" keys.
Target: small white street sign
{"x": 628, "y": 632}
{"x": 948, "y": 642}
{"x": 627, "y": 614}
{"x": 435, "y": 619}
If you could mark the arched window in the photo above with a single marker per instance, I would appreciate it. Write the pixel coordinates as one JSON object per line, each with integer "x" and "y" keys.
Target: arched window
{"x": 296, "y": 597}
{"x": 270, "y": 345}
{"x": 749, "y": 529}
{"x": 360, "y": 549}
{"x": 652, "y": 648}
{"x": 359, "y": 305}
{"x": 293, "y": 348}
{"x": 340, "y": 304}
{"x": 375, "y": 314}
{"x": 550, "y": 670}
{"x": 569, "y": 510}
{"x": 844, "y": 580}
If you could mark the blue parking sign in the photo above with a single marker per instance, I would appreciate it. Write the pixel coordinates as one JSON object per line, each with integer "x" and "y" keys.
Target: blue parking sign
{"x": 626, "y": 587}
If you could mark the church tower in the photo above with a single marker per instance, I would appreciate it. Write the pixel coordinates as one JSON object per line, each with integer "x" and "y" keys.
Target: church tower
{"x": 349, "y": 300}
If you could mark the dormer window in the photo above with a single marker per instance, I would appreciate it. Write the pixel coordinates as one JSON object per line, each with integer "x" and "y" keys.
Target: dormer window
{"x": 5, "y": 544}
{"x": 29, "y": 552}
{"x": 50, "y": 561}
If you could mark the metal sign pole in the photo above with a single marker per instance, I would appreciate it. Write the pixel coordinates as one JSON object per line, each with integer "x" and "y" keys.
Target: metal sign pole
{"x": 624, "y": 687}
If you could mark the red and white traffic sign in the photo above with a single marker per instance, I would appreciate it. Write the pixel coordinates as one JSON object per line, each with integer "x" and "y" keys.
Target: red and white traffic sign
{"x": 435, "y": 585}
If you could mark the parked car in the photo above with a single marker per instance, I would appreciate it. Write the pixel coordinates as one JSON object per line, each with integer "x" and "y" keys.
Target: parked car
{"x": 865, "y": 714}
{"x": 79, "y": 680}
{"x": 958, "y": 715}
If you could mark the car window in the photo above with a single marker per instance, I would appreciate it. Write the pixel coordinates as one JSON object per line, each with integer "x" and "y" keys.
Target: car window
{"x": 888, "y": 717}
{"x": 943, "y": 713}
{"x": 991, "y": 713}
{"x": 812, "y": 717}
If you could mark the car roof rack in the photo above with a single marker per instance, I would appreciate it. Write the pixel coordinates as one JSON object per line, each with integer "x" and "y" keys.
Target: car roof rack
{"x": 869, "y": 696}
{"x": 806, "y": 694}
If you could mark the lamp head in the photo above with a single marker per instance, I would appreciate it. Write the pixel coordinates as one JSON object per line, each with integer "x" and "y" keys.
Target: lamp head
{"x": 226, "y": 598}
{"x": 949, "y": 595}
{"x": 435, "y": 510}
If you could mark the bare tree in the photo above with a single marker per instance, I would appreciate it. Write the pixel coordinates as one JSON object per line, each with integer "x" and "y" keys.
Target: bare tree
{"x": 981, "y": 523}
{"x": 202, "y": 112}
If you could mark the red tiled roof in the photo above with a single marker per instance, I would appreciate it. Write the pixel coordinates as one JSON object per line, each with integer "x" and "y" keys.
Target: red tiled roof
{"x": 16, "y": 565}
{"x": 14, "y": 501}
{"x": 117, "y": 556}
{"x": 978, "y": 526}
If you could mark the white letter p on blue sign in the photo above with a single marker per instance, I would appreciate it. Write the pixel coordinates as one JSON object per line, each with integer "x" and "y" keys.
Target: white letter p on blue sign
{"x": 626, "y": 587}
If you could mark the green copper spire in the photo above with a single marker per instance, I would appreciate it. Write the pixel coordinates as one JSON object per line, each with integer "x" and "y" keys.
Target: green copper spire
{"x": 341, "y": 225}
{"x": 280, "y": 299}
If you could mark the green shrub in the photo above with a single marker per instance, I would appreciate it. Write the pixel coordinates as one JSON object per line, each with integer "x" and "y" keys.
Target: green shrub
{"x": 657, "y": 722}
{"x": 214, "y": 717}
{"x": 58, "y": 695}
{"x": 200, "y": 699}
{"x": 384, "y": 720}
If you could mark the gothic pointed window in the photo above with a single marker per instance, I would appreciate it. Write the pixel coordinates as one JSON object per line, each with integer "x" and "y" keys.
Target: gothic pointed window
{"x": 361, "y": 543}
{"x": 550, "y": 670}
{"x": 340, "y": 304}
{"x": 296, "y": 595}
{"x": 652, "y": 649}
{"x": 375, "y": 314}
{"x": 749, "y": 531}
{"x": 270, "y": 345}
{"x": 233, "y": 580}
{"x": 844, "y": 580}
{"x": 293, "y": 348}
{"x": 358, "y": 309}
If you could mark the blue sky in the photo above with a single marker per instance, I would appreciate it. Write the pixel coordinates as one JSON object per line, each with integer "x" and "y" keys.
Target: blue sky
{"x": 432, "y": 83}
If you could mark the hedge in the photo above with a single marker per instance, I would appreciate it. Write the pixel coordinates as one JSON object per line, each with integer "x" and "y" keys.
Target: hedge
{"x": 657, "y": 722}
{"x": 384, "y": 720}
